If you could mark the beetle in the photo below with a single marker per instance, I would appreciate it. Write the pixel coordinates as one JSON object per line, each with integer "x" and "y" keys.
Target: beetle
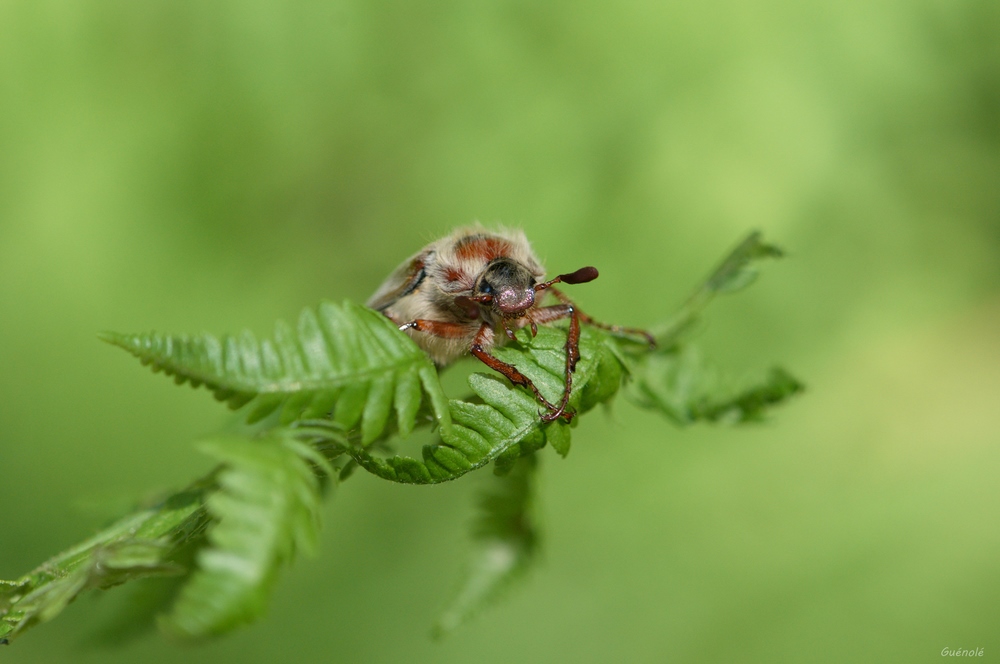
{"x": 456, "y": 294}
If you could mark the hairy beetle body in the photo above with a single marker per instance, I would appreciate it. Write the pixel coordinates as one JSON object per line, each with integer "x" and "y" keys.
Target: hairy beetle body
{"x": 435, "y": 284}
{"x": 459, "y": 293}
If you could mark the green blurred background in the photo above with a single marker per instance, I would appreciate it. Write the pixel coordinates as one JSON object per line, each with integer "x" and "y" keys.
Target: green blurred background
{"x": 187, "y": 166}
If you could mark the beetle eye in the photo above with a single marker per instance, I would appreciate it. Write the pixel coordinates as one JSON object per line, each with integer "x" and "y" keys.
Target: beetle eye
{"x": 485, "y": 288}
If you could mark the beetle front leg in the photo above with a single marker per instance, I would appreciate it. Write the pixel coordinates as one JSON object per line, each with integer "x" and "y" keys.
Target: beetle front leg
{"x": 480, "y": 349}
{"x": 553, "y": 313}
{"x": 450, "y": 338}
{"x": 438, "y": 328}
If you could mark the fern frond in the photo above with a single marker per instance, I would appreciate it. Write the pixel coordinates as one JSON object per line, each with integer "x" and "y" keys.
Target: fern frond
{"x": 336, "y": 380}
{"x": 108, "y": 565}
{"x": 506, "y": 541}
{"x": 737, "y": 271}
{"x": 138, "y": 546}
{"x": 507, "y": 424}
{"x": 672, "y": 378}
{"x": 147, "y": 600}
{"x": 677, "y": 383}
{"x": 266, "y": 509}
{"x": 347, "y": 360}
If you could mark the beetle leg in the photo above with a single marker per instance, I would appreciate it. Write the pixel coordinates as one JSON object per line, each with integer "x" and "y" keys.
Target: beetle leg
{"x": 553, "y": 313}
{"x": 484, "y": 341}
{"x": 544, "y": 315}
{"x": 437, "y": 328}
{"x": 507, "y": 330}
{"x": 614, "y": 329}
{"x": 480, "y": 346}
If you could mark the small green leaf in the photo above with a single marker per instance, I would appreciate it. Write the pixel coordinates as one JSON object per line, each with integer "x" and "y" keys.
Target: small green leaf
{"x": 138, "y": 546}
{"x": 752, "y": 403}
{"x": 737, "y": 271}
{"x": 558, "y": 437}
{"x": 266, "y": 510}
{"x": 680, "y": 386}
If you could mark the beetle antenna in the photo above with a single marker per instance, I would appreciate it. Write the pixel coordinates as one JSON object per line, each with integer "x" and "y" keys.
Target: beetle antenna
{"x": 581, "y": 276}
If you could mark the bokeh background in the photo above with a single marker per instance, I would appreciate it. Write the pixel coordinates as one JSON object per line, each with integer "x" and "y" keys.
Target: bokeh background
{"x": 188, "y": 166}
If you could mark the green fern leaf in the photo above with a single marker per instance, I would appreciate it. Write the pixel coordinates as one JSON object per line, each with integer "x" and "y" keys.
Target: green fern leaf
{"x": 737, "y": 271}
{"x": 266, "y": 509}
{"x": 107, "y": 566}
{"x": 140, "y": 545}
{"x": 676, "y": 383}
{"x": 673, "y": 380}
{"x": 507, "y": 424}
{"x": 752, "y": 403}
{"x": 506, "y": 543}
{"x": 347, "y": 360}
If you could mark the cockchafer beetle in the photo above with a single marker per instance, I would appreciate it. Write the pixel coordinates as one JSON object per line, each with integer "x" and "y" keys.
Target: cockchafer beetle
{"x": 455, "y": 295}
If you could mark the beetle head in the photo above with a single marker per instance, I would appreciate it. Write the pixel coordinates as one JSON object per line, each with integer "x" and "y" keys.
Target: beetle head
{"x": 508, "y": 285}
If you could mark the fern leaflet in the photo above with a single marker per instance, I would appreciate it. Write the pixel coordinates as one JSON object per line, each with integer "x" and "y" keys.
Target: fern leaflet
{"x": 266, "y": 509}
{"x": 737, "y": 271}
{"x": 137, "y": 546}
{"x": 506, "y": 425}
{"x": 679, "y": 385}
{"x": 347, "y": 360}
